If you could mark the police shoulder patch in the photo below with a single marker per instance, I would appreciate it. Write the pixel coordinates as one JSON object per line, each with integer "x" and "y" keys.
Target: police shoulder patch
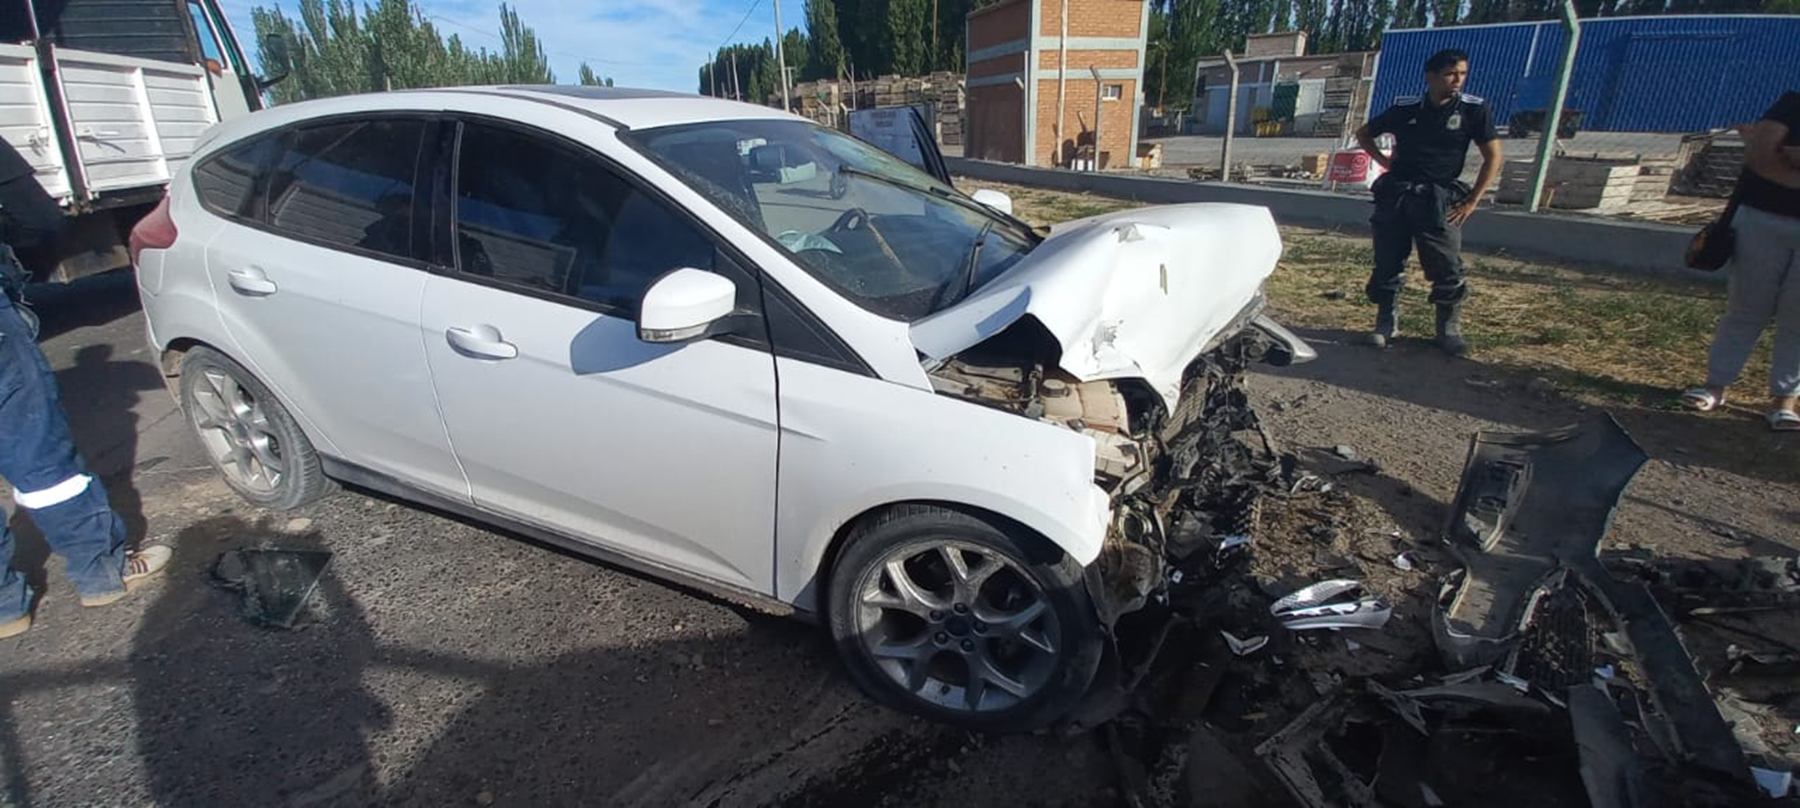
{"x": 1473, "y": 99}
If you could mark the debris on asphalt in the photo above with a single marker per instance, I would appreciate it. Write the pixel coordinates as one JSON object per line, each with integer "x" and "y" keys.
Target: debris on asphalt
{"x": 275, "y": 584}
{"x": 1245, "y": 646}
{"x": 1777, "y": 784}
{"x": 1530, "y": 672}
{"x": 1332, "y": 604}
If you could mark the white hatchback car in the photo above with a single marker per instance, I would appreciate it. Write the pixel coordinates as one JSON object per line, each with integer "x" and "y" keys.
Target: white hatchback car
{"x": 722, "y": 345}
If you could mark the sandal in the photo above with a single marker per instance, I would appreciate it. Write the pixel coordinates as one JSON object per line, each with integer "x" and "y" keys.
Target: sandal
{"x": 1702, "y": 399}
{"x": 1784, "y": 421}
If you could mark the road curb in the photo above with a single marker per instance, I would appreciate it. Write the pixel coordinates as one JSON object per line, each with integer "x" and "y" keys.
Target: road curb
{"x": 1613, "y": 245}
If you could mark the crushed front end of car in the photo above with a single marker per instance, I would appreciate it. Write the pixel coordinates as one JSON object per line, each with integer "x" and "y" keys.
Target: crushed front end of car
{"x": 1183, "y": 482}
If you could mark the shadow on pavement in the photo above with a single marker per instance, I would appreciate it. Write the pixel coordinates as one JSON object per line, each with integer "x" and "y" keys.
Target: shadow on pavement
{"x": 90, "y": 301}
{"x": 229, "y": 713}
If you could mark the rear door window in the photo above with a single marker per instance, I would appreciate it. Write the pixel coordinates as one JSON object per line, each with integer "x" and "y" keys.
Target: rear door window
{"x": 350, "y": 185}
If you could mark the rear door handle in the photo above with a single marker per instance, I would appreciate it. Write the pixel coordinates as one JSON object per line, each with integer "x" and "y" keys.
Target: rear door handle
{"x": 251, "y": 281}
{"x": 480, "y": 342}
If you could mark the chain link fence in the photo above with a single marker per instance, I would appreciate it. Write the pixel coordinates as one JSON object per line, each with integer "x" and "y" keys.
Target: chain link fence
{"x": 1646, "y": 130}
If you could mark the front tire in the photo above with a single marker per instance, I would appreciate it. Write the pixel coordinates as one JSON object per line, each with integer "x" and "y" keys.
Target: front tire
{"x": 959, "y": 619}
{"x": 249, "y": 437}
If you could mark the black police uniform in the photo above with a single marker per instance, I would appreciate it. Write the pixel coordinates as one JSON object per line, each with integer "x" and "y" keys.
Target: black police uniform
{"x": 1413, "y": 198}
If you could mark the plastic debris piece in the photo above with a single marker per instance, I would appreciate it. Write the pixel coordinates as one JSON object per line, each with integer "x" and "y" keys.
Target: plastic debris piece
{"x": 1233, "y": 542}
{"x": 1331, "y": 604}
{"x": 1405, "y": 562}
{"x": 1314, "y": 595}
{"x": 1606, "y": 672}
{"x": 1243, "y": 647}
{"x": 1352, "y": 645}
{"x": 1778, "y": 784}
{"x": 275, "y": 583}
{"x": 1176, "y": 576}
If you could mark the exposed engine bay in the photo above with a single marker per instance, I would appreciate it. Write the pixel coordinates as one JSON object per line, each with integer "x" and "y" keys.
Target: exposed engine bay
{"x": 1179, "y": 481}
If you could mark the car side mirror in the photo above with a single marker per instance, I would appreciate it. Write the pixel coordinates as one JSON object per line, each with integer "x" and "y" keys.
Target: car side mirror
{"x": 687, "y": 305}
{"x": 274, "y": 46}
{"x": 994, "y": 199}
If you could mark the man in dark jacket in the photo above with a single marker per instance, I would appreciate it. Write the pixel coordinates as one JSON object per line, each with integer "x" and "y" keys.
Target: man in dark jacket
{"x": 1422, "y": 200}
{"x": 37, "y": 454}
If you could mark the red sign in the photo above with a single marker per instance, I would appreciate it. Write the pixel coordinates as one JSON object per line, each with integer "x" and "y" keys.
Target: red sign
{"x": 1349, "y": 166}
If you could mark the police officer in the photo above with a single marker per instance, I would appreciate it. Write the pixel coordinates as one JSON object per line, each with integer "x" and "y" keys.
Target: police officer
{"x": 1422, "y": 200}
{"x": 37, "y": 455}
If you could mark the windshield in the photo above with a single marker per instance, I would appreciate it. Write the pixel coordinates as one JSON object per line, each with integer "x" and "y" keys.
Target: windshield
{"x": 884, "y": 234}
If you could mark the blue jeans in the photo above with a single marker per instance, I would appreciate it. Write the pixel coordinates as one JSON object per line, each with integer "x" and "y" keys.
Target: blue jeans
{"x": 38, "y": 458}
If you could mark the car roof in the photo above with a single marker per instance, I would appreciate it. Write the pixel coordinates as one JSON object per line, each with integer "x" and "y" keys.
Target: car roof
{"x": 621, "y": 107}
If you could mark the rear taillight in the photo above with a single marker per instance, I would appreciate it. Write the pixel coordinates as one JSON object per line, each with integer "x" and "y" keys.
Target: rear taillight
{"x": 155, "y": 231}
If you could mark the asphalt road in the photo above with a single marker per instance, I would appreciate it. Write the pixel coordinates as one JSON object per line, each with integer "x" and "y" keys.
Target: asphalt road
{"x": 444, "y": 664}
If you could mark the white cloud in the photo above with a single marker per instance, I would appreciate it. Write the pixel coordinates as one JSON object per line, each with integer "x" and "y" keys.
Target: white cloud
{"x": 659, "y": 45}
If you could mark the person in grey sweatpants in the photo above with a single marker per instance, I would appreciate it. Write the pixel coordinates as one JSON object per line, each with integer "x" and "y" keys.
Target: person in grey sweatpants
{"x": 1765, "y": 268}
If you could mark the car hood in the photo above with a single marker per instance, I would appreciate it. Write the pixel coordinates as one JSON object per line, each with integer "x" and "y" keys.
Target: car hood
{"x": 1133, "y": 294}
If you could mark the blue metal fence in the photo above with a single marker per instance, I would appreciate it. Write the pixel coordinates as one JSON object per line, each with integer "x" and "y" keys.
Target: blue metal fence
{"x": 1673, "y": 73}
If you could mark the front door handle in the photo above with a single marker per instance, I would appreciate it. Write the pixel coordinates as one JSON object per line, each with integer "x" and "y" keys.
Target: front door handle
{"x": 251, "y": 281}
{"x": 481, "y": 342}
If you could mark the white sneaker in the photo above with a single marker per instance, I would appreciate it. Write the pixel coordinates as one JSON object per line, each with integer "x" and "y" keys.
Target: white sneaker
{"x": 140, "y": 565}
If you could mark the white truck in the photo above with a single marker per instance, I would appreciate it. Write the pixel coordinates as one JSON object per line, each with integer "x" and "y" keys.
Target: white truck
{"x": 105, "y": 99}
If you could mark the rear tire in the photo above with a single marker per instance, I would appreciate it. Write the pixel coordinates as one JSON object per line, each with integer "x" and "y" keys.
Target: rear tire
{"x": 248, "y": 435}
{"x": 963, "y": 620}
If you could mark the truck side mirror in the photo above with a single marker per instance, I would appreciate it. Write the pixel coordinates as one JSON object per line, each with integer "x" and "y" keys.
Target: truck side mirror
{"x": 274, "y": 53}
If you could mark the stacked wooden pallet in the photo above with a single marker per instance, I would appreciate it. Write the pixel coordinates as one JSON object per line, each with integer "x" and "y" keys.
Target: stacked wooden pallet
{"x": 947, "y": 89}
{"x": 1709, "y": 165}
{"x": 1345, "y": 100}
{"x": 1655, "y": 176}
{"x": 1600, "y": 185}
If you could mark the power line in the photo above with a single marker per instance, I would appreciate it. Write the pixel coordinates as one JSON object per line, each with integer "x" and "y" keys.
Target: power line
{"x": 740, "y": 25}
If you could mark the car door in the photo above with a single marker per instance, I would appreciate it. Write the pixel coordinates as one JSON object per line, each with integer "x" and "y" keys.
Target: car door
{"x": 318, "y": 284}
{"x": 560, "y": 415}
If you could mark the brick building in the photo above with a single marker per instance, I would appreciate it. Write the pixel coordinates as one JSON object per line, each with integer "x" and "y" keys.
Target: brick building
{"x": 1021, "y": 58}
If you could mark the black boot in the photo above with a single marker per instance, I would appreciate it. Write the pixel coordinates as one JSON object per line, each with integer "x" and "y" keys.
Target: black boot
{"x": 1449, "y": 329}
{"x": 1387, "y": 326}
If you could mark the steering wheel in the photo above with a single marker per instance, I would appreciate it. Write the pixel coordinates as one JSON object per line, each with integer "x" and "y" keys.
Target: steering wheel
{"x": 852, "y": 219}
{"x": 856, "y": 219}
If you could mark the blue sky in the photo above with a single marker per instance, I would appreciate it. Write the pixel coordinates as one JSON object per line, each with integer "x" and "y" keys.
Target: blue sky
{"x": 639, "y": 43}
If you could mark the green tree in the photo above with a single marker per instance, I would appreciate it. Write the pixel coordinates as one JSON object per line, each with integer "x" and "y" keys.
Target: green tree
{"x": 587, "y": 78}
{"x": 825, "y": 57}
{"x": 907, "y": 42}
{"x": 334, "y": 50}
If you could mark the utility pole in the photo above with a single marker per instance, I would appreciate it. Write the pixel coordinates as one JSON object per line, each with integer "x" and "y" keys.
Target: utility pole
{"x": 1099, "y": 92}
{"x": 934, "y": 33}
{"x": 781, "y": 58}
{"x": 1162, "y": 85}
{"x": 1553, "y": 119}
{"x": 737, "y": 90}
{"x": 1230, "y": 117}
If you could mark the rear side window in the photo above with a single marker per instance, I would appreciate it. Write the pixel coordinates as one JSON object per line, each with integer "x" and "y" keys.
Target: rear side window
{"x": 227, "y": 182}
{"x": 349, "y": 185}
